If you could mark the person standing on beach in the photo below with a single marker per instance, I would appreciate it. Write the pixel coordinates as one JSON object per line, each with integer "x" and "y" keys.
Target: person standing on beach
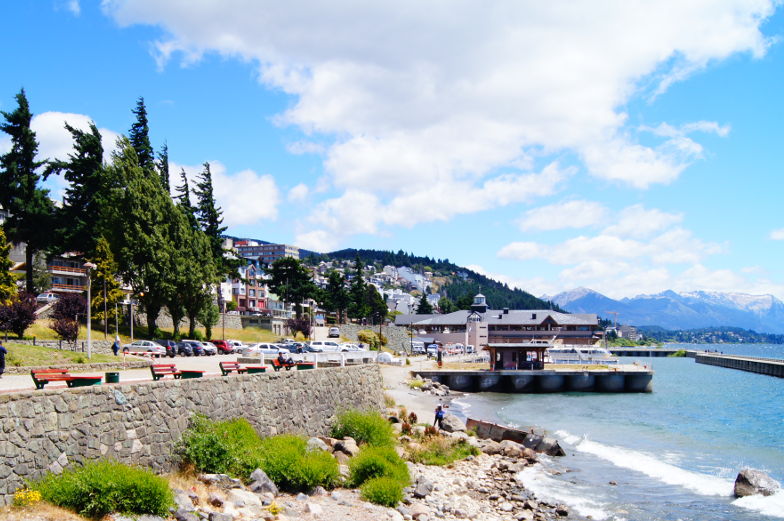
{"x": 3, "y": 352}
{"x": 439, "y": 417}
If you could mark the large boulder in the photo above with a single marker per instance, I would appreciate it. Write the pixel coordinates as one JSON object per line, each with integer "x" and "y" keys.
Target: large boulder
{"x": 452, "y": 423}
{"x": 511, "y": 449}
{"x": 490, "y": 447}
{"x": 750, "y": 482}
{"x": 550, "y": 447}
{"x": 348, "y": 446}
{"x": 261, "y": 483}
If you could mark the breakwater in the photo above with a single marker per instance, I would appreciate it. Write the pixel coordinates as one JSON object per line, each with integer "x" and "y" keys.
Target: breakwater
{"x": 141, "y": 423}
{"x": 752, "y": 364}
{"x": 544, "y": 381}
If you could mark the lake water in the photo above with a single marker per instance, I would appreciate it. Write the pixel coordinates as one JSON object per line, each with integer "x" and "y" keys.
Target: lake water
{"x": 674, "y": 453}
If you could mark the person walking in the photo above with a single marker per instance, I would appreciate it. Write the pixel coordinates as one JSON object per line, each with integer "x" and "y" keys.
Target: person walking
{"x": 116, "y": 345}
{"x": 3, "y": 352}
{"x": 439, "y": 417}
{"x": 440, "y": 356}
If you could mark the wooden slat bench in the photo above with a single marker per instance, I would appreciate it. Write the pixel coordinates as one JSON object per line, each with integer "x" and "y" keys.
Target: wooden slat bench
{"x": 227, "y": 367}
{"x": 160, "y": 370}
{"x": 41, "y": 377}
{"x": 276, "y": 365}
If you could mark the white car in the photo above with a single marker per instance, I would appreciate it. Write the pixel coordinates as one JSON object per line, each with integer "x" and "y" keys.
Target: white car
{"x": 236, "y": 345}
{"x": 47, "y": 298}
{"x": 145, "y": 346}
{"x": 348, "y": 347}
{"x": 210, "y": 348}
{"x": 325, "y": 346}
{"x": 334, "y": 332}
{"x": 264, "y": 349}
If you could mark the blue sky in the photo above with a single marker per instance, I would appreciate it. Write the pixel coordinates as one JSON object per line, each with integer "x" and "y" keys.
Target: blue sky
{"x": 625, "y": 148}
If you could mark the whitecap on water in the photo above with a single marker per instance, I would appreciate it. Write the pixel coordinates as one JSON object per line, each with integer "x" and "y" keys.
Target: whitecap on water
{"x": 546, "y": 488}
{"x": 769, "y": 505}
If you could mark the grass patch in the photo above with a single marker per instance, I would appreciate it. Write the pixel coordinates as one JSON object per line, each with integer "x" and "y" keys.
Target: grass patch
{"x": 102, "y": 487}
{"x": 233, "y": 447}
{"x": 23, "y": 355}
{"x": 365, "y": 427}
{"x": 438, "y": 450}
{"x": 678, "y": 354}
{"x": 415, "y": 383}
{"x": 382, "y": 491}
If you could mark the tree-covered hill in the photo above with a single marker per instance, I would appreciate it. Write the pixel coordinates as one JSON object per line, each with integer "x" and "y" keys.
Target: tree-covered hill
{"x": 460, "y": 286}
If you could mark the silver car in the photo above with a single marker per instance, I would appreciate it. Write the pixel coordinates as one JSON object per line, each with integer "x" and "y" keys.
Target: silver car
{"x": 145, "y": 346}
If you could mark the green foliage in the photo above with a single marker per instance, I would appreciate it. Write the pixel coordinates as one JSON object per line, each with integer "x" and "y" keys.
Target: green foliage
{"x": 415, "y": 383}
{"x": 438, "y": 450}
{"x": 382, "y": 491}
{"x": 357, "y": 306}
{"x": 208, "y": 316}
{"x": 106, "y": 292}
{"x": 102, "y": 487}
{"x": 31, "y": 211}
{"x": 8, "y": 288}
{"x": 365, "y": 427}
{"x": 336, "y": 297}
{"x": 424, "y": 307}
{"x": 678, "y": 354}
{"x": 374, "y": 462}
{"x": 233, "y": 447}
{"x": 290, "y": 280}
{"x": 445, "y": 305}
{"x": 376, "y": 305}
{"x": 139, "y": 137}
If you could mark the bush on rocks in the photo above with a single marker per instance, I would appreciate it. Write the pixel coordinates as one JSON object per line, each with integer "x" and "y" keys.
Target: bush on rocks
{"x": 382, "y": 491}
{"x": 102, "y": 487}
{"x": 375, "y": 462}
{"x": 441, "y": 451}
{"x": 234, "y": 447}
{"x": 365, "y": 427}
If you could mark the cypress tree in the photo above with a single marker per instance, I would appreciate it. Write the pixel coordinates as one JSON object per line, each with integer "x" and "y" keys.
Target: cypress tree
{"x": 86, "y": 192}
{"x": 139, "y": 136}
{"x": 209, "y": 214}
{"x": 29, "y": 205}
{"x": 424, "y": 307}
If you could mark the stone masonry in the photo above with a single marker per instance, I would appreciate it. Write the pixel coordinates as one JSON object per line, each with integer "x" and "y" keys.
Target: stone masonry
{"x": 397, "y": 337}
{"x": 142, "y": 423}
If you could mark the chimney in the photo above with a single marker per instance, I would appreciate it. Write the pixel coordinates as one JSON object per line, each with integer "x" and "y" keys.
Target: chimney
{"x": 533, "y": 316}
{"x": 506, "y": 311}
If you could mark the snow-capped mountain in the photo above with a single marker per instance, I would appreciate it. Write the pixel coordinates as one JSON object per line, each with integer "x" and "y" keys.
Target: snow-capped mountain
{"x": 688, "y": 310}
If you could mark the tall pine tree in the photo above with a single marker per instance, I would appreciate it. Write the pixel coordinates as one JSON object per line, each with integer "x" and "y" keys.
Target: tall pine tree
{"x": 29, "y": 205}
{"x": 210, "y": 215}
{"x": 140, "y": 137}
{"x": 163, "y": 167}
{"x": 357, "y": 307}
{"x": 86, "y": 192}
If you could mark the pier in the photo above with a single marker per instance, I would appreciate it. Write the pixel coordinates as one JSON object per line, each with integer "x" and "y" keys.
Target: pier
{"x": 622, "y": 380}
{"x": 644, "y": 352}
{"x": 768, "y": 366}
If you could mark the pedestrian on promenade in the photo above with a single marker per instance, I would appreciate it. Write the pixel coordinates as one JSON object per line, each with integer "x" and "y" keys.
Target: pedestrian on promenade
{"x": 116, "y": 345}
{"x": 440, "y": 356}
{"x": 3, "y": 352}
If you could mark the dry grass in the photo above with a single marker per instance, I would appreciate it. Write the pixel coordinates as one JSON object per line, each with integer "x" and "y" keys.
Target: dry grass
{"x": 39, "y": 512}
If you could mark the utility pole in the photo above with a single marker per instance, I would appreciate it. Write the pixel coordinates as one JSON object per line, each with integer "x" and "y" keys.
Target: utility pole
{"x": 615, "y": 323}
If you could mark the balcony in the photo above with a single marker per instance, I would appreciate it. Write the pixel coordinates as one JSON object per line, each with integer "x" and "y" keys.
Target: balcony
{"x": 68, "y": 288}
{"x": 65, "y": 270}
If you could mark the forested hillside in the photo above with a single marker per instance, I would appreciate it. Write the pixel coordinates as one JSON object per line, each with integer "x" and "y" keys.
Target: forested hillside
{"x": 459, "y": 284}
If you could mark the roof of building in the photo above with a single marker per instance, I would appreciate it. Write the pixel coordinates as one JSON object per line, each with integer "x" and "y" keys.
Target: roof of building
{"x": 524, "y": 317}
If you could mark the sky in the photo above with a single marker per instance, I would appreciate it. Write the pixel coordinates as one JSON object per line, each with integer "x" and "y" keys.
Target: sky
{"x": 629, "y": 147}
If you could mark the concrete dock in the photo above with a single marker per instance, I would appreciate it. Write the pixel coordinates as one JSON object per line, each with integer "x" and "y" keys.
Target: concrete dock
{"x": 645, "y": 352}
{"x": 768, "y": 366}
{"x": 621, "y": 380}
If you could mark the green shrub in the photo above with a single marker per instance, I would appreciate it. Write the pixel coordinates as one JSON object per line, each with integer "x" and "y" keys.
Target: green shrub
{"x": 678, "y": 354}
{"x": 376, "y": 462}
{"x": 102, "y": 487}
{"x": 416, "y": 383}
{"x": 234, "y": 447}
{"x": 382, "y": 491}
{"x": 364, "y": 427}
{"x": 441, "y": 451}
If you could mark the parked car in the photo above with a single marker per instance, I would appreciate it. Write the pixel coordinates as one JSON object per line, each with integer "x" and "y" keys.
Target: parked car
{"x": 236, "y": 345}
{"x": 264, "y": 349}
{"x": 324, "y": 346}
{"x": 223, "y": 346}
{"x": 196, "y": 347}
{"x": 432, "y": 350}
{"x": 334, "y": 332}
{"x": 347, "y": 347}
{"x": 47, "y": 298}
{"x": 418, "y": 348}
{"x": 170, "y": 345}
{"x": 470, "y": 348}
{"x": 210, "y": 348}
{"x": 145, "y": 346}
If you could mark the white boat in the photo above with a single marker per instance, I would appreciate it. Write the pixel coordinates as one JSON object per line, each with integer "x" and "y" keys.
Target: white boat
{"x": 579, "y": 354}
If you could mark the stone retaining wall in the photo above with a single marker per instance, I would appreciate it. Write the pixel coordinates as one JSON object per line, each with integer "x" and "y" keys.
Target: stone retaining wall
{"x": 397, "y": 337}
{"x": 141, "y": 423}
{"x": 99, "y": 346}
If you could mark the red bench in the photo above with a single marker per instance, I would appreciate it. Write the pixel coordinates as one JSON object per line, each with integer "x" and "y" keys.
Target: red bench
{"x": 276, "y": 365}
{"x": 41, "y": 377}
{"x": 227, "y": 367}
{"x": 160, "y": 370}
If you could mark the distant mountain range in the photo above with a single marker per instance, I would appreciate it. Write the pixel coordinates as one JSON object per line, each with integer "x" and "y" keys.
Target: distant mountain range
{"x": 671, "y": 310}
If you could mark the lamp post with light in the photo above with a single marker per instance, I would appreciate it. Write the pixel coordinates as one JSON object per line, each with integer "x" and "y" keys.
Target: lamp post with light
{"x": 89, "y": 266}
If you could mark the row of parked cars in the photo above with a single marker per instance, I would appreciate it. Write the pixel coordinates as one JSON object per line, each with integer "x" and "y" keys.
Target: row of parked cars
{"x": 171, "y": 348}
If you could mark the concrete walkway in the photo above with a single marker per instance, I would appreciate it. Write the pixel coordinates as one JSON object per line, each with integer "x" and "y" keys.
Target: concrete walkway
{"x": 208, "y": 364}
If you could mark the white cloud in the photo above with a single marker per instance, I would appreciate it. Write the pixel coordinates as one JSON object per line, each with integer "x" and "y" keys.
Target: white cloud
{"x": 245, "y": 196}
{"x": 424, "y": 97}
{"x": 638, "y": 222}
{"x": 569, "y": 214}
{"x": 777, "y": 235}
{"x": 299, "y": 148}
{"x": 74, "y": 7}
{"x": 298, "y": 193}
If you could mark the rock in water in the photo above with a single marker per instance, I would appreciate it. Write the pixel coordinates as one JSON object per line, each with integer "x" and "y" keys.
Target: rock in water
{"x": 550, "y": 447}
{"x": 750, "y": 482}
{"x": 452, "y": 423}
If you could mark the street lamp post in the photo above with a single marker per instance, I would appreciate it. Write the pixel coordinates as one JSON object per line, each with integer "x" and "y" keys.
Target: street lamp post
{"x": 89, "y": 266}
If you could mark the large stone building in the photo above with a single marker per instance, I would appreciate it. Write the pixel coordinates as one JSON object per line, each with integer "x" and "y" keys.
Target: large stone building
{"x": 481, "y": 326}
